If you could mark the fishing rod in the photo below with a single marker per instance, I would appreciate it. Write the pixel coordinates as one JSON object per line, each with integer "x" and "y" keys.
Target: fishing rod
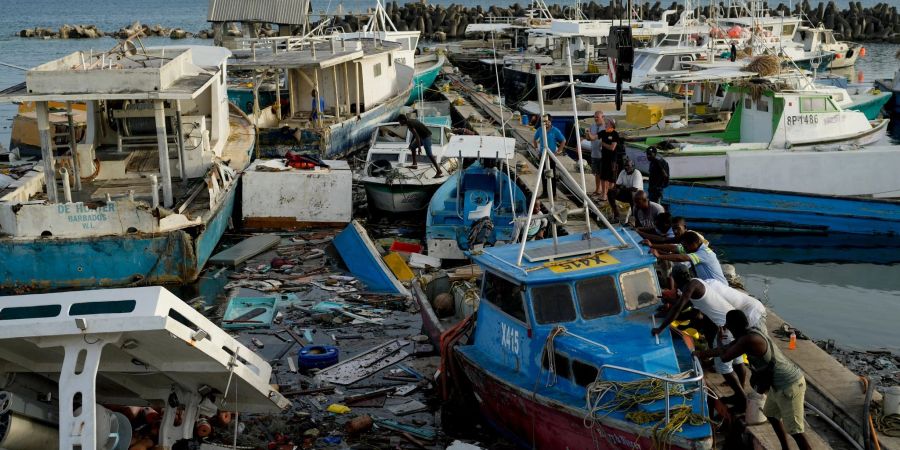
{"x": 13, "y": 66}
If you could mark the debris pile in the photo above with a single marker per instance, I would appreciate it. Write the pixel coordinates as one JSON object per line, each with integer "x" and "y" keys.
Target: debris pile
{"x": 353, "y": 362}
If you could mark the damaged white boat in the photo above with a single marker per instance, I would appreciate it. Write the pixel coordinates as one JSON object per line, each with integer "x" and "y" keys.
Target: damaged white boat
{"x": 149, "y": 187}
{"x": 71, "y": 360}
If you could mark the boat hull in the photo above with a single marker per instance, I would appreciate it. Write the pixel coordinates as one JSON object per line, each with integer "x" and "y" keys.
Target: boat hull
{"x": 873, "y": 107}
{"x": 105, "y": 261}
{"x": 893, "y": 105}
{"x": 424, "y": 79}
{"x": 399, "y": 197}
{"x": 520, "y": 85}
{"x": 533, "y": 423}
{"x": 708, "y": 207}
{"x": 355, "y": 133}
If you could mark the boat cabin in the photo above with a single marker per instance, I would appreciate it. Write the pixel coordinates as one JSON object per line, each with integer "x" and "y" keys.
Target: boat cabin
{"x": 791, "y": 118}
{"x": 156, "y": 120}
{"x": 573, "y": 316}
{"x": 234, "y": 20}
{"x": 350, "y": 77}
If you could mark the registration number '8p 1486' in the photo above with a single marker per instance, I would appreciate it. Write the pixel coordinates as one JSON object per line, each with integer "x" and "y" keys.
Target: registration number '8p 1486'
{"x": 802, "y": 119}
{"x": 509, "y": 338}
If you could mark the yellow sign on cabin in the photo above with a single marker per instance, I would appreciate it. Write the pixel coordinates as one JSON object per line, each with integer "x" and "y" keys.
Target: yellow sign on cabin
{"x": 584, "y": 262}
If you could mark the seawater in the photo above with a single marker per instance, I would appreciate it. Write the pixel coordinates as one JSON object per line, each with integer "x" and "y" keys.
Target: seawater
{"x": 852, "y": 297}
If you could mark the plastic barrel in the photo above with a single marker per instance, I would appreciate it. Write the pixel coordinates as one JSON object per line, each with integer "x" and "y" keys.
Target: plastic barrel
{"x": 317, "y": 357}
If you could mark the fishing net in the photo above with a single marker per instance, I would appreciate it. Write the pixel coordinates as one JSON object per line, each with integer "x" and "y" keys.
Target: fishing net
{"x": 764, "y": 65}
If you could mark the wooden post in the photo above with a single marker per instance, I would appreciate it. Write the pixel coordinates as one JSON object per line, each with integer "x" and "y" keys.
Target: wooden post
{"x": 292, "y": 90}
{"x": 318, "y": 102}
{"x": 43, "y": 120}
{"x": 346, "y": 88}
{"x": 179, "y": 140}
{"x": 337, "y": 94}
{"x": 277, "y": 108}
{"x": 73, "y": 146}
{"x": 161, "y": 142}
{"x": 358, "y": 71}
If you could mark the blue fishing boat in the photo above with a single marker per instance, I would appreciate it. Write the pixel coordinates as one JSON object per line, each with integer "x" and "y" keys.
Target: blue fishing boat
{"x": 477, "y": 205}
{"x": 95, "y": 216}
{"x": 428, "y": 67}
{"x": 565, "y": 336}
{"x": 714, "y": 207}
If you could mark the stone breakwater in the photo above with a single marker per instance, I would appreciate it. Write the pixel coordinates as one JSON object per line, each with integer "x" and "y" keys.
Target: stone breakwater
{"x": 92, "y": 31}
{"x": 878, "y": 23}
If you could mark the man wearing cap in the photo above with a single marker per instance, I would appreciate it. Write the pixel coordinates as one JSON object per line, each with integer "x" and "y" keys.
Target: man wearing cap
{"x": 659, "y": 175}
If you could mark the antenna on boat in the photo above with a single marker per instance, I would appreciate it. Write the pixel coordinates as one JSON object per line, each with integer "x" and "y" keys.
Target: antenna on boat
{"x": 512, "y": 197}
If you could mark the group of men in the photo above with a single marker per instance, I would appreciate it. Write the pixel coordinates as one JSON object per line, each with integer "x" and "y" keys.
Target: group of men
{"x": 733, "y": 323}
{"x": 615, "y": 176}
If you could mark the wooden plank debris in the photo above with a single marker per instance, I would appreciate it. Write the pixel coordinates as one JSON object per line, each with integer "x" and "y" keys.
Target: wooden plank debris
{"x": 245, "y": 250}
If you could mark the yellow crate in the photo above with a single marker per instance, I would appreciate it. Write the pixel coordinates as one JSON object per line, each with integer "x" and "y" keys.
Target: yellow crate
{"x": 397, "y": 265}
{"x": 642, "y": 115}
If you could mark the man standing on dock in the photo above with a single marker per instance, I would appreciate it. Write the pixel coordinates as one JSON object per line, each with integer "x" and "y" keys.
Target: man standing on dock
{"x": 659, "y": 174}
{"x": 421, "y": 137}
{"x": 773, "y": 374}
{"x": 556, "y": 143}
{"x": 593, "y": 134}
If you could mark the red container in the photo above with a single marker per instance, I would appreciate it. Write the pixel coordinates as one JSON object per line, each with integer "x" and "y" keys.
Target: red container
{"x": 398, "y": 246}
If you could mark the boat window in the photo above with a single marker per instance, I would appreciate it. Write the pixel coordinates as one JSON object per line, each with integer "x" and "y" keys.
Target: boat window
{"x": 584, "y": 373}
{"x": 639, "y": 289}
{"x": 385, "y": 156}
{"x": 837, "y": 97}
{"x": 812, "y": 104}
{"x": 560, "y": 364}
{"x": 747, "y": 103}
{"x": 390, "y": 60}
{"x": 762, "y": 105}
{"x": 504, "y": 295}
{"x": 377, "y": 70}
{"x": 666, "y": 63}
{"x": 553, "y": 303}
{"x": 598, "y": 297}
{"x": 788, "y": 30}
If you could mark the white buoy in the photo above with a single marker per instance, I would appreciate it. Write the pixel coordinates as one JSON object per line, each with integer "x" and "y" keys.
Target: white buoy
{"x": 892, "y": 400}
{"x": 755, "y": 402}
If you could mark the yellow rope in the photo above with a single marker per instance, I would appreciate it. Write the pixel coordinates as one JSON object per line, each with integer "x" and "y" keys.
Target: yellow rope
{"x": 663, "y": 432}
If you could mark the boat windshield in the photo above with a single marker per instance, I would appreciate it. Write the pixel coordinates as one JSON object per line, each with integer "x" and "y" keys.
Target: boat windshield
{"x": 391, "y": 134}
{"x": 553, "y": 303}
{"x": 504, "y": 295}
{"x": 639, "y": 289}
{"x": 598, "y": 297}
{"x": 392, "y": 157}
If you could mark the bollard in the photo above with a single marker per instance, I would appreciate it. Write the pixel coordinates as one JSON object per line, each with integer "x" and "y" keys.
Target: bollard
{"x": 67, "y": 190}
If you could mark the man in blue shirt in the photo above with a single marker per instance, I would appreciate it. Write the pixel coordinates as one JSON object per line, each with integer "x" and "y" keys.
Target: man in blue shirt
{"x": 556, "y": 142}
{"x": 317, "y": 105}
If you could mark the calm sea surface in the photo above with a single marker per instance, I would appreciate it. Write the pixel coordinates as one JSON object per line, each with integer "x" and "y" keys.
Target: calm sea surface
{"x": 838, "y": 290}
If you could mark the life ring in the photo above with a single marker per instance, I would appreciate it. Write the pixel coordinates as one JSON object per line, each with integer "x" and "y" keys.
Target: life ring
{"x": 317, "y": 357}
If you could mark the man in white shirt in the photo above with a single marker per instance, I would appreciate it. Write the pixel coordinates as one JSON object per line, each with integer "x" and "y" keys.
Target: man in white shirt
{"x": 629, "y": 182}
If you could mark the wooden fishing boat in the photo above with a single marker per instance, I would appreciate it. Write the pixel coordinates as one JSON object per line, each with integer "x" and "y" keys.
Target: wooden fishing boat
{"x": 166, "y": 117}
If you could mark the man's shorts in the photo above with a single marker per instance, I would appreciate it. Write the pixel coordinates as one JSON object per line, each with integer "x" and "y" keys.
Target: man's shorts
{"x": 725, "y": 367}
{"x": 596, "y": 166}
{"x": 787, "y": 405}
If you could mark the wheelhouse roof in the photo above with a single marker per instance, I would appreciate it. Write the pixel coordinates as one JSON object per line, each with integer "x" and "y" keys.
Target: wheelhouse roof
{"x": 502, "y": 260}
{"x": 324, "y": 57}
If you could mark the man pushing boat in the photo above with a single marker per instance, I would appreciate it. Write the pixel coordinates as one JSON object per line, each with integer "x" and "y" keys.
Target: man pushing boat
{"x": 421, "y": 137}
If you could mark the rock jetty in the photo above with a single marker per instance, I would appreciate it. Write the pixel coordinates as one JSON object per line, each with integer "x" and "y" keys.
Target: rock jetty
{"x": 878, "y": 23}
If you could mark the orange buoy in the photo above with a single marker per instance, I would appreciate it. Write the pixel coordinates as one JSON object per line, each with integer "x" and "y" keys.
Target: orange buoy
{"x": 862, "y": 52}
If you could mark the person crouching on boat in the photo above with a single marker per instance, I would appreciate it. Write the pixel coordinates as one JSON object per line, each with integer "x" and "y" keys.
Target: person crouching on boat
{"x": 704, "y": 297}
{"x": 538, "y": 225}
{"x": 773, "y": 374}
{"x": 629, "y": 182}
{"x": 421, "y": 137}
